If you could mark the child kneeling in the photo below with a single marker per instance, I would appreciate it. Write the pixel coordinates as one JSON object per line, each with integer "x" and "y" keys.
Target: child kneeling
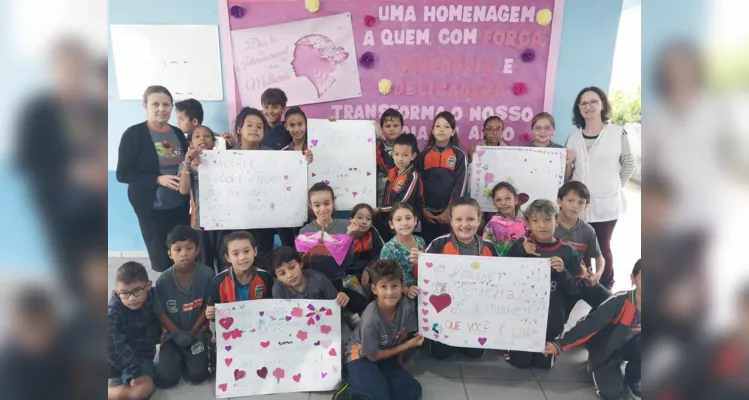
{"x": 376, "y": 354}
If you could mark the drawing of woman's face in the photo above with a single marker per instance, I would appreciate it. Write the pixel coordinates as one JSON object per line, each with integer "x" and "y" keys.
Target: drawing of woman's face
{"x": 307, "y": 63}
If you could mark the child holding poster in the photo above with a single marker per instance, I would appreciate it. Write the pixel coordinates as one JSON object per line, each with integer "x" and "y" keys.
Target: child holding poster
{"x": 465, "y": 217}
{"x": 566, "y": 277}
{"x": 377, "y": 352}
{"x": 403, "y": 221}
{"x": 508, "y": 224}
{"x": 543, "y": 127}
{"x": 297, "y": 282}
{"x": 442, "y": 166}
{"x": 391, "y": 127}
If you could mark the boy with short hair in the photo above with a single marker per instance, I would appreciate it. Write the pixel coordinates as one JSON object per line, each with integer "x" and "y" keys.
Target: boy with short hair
{"x": 132, "y": 333}
{"x": 274, "y": 102}
{"x": 189, "y": 115}
{"x": 612, "y": 334}
{"x": 403, "y": 184}
{"x": 566, "y": 275}
{"x": 391, "y": 127}
{"x": 182, "y": 293}
{"x": 572, "y": 199}
{"x": 298, "y": 282}
{"x": 376, "y": 354}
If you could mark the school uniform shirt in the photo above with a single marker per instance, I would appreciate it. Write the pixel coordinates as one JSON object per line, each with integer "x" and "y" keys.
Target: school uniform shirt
{"x": 276, "y": 138}
{"x": 448, "y": 244}
{"x": 226, "y": 289}
{"x": 385, "y": 163}
{"x": 367, "y": 249}
{"x": 404, "y": 187}
{"x": 551, "y": 145}
{"x": 320, "y": 258}
{"x": 131, "y": 334}
{"x": 604, "y": 163}
{"x": 183, "y": 305}
{"x": 581, "y": 237}
{"x": 376, "y": 333}
{"x": 318, "y": 288}
{"x": 444, "y": 175}
{"x": 394, "y": 250}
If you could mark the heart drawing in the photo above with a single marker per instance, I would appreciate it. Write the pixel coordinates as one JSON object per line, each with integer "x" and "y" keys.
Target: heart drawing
{"x": 222, "y": 387}
{"x": 239, "y": 374}
{"x": 440, "y": 301}
{"x": 262, "y": 373}
{"x": 226, "y": 322}
{"x": 297, "y": 378}
{"x": 482, "y": 340}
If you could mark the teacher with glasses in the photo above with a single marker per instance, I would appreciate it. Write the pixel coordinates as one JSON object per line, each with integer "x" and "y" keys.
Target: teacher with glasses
{"x": 604, "y": 163}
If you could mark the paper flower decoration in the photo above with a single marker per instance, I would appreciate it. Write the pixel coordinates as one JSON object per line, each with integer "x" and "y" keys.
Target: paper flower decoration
{"x": 543, "y": 17}
{"x": 369, "y": 20}
{"x": 324, "y": 244}
{"x": 367, "y": 60}
{"x": 528, "y": 55}
{"x": 527, "y": 137}
{"x": 236, "y": 11}
{"x": 519, "y": 88}
{"x": 312, "y": 5}
{"x": 385, "y": 86}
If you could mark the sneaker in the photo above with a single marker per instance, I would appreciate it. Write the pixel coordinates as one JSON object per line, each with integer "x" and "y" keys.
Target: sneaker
{"x": 634, "y": 391}
{"x": 343, "y": 392}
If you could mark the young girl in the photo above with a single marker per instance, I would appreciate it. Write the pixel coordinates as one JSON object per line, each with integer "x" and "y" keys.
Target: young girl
{"x": 323, "y": 240}
{"x": 493, "y": 128}
{"x": 507, "y": 225}
{"x": 202, "y": 138}
{"x": 367, "y": 246}
{"x": 443, "y": 169}
{"x": 543, "y": 127}
{"x": 465, "y": 218}
{"x": 403, "y": 220}
{"x": 295, "y": 121}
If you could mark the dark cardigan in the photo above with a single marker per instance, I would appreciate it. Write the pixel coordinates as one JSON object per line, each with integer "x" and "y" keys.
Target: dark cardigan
{"x": 138, "y": 166}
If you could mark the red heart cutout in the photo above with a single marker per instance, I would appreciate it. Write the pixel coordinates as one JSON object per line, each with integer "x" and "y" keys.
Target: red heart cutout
{"x": 329, "y": 312}
{"x": 440, "y": 301}
{"x": 239, "y": 374}
{"x": 310, "y": 321}
{"x": 226, "y": 322}
{"x": 228, "y": 361}
{"x": 297, "y": 378}
{"x": 226, "y": 335}
{"x": 262, "y": 373}
{"x": 222, "y": 387}
{"x": 265, "y": 344}
{"x": 332, "y": 352}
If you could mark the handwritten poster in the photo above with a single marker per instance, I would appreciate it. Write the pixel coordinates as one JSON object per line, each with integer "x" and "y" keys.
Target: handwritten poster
{"x": 277, "y": 346}
{"x": 484, "y": 302}
{"x": 252, "y": 189}
{"x": 536, "y": 173}
{"x": 344, "y": 153}
{"x": 312, "y": 60}
{"x": 474, "y": 58}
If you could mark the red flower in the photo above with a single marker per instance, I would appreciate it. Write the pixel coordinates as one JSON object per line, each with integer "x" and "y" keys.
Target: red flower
{"x": 369, "y": 20}
{"x": 519, "y": 88}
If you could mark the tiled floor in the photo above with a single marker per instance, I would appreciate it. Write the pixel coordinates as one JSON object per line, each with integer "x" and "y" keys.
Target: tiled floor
{"x": 490, "y": 377}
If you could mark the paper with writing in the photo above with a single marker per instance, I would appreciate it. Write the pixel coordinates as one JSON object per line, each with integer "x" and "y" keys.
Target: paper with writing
{"x": 535, "y": 172}
{"x": 277, "y": 346}
{"x": 252, "y": 189}
{"x": 484, "y": 302}
{"x": 345, "y": 159}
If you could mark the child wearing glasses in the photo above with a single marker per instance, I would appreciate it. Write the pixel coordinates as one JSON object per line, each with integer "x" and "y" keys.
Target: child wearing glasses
{"x": 132, "y": 334}
{"x": 493, "y": 128}
{"x": 543, "y": 127}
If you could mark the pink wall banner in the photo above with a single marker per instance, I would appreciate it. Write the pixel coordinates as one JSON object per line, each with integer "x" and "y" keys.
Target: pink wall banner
{"x": 474, "y": 58}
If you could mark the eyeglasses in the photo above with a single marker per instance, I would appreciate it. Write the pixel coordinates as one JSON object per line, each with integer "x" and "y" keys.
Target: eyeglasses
{"x": 539, "y": 128}
{"x": 591, "y": 103}
{"x": 135, "y": 293}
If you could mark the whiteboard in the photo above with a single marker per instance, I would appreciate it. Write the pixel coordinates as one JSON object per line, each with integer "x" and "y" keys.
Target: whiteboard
{"x": 183, "y": 58}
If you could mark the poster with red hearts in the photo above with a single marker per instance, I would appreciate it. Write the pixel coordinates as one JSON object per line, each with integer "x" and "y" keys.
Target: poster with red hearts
{"x": 484, "y": 302}
{"x": 277, "y": 346}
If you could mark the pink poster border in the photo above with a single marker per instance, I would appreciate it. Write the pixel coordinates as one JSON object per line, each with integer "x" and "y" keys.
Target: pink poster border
{"x": 230, "y": 81}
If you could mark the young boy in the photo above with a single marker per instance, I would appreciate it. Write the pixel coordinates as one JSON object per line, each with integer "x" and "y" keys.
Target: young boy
{"x": 376, "y": 355}
{"x": 572, "y": 199}
{"x": 566, "y": 274}
{"x": 132, "y": 333}
{"x": 189, "y": 115}
{"x": 299, "y": 283}
{"x": 391, "y": 126}
{"x": 612, "y": 334}
{"x": 403, "y": 184}
{"x": 182, "y": 293}
{"x": 276, "y": 136}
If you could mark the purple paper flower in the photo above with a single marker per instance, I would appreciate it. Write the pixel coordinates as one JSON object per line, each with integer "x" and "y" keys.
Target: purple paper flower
{"x": 367, "y": 60}
{"x": 528, "y": 55}
{"x": 236, "y": 11}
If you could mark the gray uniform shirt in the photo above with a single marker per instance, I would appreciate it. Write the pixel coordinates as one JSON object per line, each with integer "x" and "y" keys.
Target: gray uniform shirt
{"x": 376, "y": 333}
{"x": 318, "y": 288}
{"x": 471, "y": 249}
{"x": 581, "y": 237}
{"x": 183, "y": 305}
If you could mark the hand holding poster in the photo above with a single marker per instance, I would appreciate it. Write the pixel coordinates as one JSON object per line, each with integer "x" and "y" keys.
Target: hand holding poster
{"x": 345, "y": 159}
{"x": 484, "y": 302}
{"x": 536, "y": 173}
{"x": 252, "y": 189}
{"x": 277, "y": 346}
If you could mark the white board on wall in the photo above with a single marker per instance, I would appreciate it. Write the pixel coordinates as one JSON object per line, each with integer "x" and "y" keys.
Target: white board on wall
{"x": 183, "y": 58}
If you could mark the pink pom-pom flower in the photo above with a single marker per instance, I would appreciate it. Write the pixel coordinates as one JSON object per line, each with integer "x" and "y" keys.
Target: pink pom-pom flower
{"x": 519, "y": 88}
{"x": 369, "y": 20}
{"x": 526, "y": 137}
